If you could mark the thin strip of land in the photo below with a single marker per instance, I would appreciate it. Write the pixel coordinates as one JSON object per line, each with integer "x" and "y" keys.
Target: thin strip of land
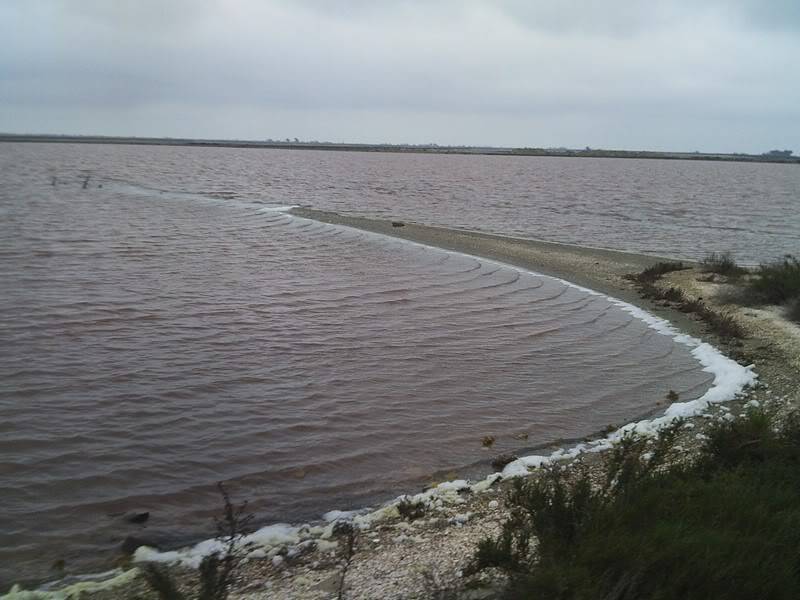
{"x": 769, "y": 157}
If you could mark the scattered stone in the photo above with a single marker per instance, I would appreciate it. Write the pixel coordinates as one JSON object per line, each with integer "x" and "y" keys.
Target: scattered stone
{"x": 501, "y": 460}
{"x": 460, "y": 519}
{"x": 138, "y": 518}
{"x": 132, "y": 542}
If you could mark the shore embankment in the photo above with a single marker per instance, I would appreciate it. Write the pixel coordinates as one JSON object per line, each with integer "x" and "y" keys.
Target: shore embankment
{"x": 421, "y": 549}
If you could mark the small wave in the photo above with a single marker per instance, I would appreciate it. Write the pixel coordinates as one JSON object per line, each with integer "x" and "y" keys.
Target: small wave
{"x": 285, "y": 208}
{"x": 730, "y": 379}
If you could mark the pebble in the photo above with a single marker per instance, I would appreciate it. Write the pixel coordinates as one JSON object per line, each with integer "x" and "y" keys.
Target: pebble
{"x": 460, "y": 519}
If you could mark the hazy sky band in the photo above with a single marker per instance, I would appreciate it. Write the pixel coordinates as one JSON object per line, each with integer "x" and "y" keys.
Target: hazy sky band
{"x": 709, "y": 76}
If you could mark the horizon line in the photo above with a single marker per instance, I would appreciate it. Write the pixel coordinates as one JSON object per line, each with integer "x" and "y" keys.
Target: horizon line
{"x": 776, "y": 154}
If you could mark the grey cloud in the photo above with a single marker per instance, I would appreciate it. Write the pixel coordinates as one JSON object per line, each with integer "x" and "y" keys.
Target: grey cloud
{"x": 772, "y": 14}
{"x": 612, "y": 68}
{"x": 152, "y": 15}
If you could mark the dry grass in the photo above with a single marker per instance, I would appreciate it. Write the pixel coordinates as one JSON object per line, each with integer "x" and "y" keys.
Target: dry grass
{"x": 657, "y": 271}
{"x": 723, "y": 264}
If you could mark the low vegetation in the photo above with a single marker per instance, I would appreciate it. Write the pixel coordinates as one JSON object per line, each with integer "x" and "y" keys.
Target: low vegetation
{"x": 411, "y": 510}
{"x": 348, "y": 535}
{"x": 721, "y": 323}
{"x": 673, "y": 294}
{"x": 658, "y": 526}
{"x": 657, "y": 271}
{"x": 794, "y": 311}
{"x": 723, "y": 264}
{"x": 777, "y": 282}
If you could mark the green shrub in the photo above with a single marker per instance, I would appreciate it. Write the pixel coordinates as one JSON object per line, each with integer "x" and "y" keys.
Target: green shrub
{"x": 674, "y": 294}
{"x": 753, "y": 440}
{"x": 777, "y": 282}
{"x": 725, "y": 526}
{"x": 647, "y": 289}
{"x": 722, "y": 263}
{"x": 658, "y": 270}
{"x": 722, "y": 323}
{"x": 671, "y": 294}
{"x": 410, "y": 511}
{"x": 794, "y": 310}
{"x": 693, "y": 306}
{"x": 161, "y": 582}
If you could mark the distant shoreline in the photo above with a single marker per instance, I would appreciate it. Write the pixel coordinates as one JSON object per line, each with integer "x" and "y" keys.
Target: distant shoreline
{"x": 398, "y": 148}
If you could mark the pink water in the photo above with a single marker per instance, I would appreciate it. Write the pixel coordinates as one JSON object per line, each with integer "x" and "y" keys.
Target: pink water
{"x": 163, "y": 329}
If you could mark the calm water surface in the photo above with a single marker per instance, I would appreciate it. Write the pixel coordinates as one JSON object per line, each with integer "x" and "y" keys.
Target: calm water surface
{"x": 164, "y": 328}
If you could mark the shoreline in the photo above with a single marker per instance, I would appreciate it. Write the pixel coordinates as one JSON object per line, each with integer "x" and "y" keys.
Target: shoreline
{"x": 599, "y": 269}
{"x": 427, "y": 554}
{"x": 401, "y": 148}
{"x": 425, "y": 560}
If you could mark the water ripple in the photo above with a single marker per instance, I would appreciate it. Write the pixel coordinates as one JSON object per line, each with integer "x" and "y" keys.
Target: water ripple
{"x": 155, "y": 342}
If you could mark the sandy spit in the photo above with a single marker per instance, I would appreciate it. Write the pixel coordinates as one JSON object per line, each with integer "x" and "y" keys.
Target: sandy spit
{"x": 425, "y": 558}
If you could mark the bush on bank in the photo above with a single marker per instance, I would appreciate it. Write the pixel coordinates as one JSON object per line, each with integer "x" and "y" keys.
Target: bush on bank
{"x": 723, "y": 264}
{"x": 777, "y": 282}
{"x": 727, "y": 525}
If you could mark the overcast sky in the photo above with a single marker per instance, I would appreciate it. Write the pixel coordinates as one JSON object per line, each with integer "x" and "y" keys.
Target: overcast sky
{"x": 668, "y": 75}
